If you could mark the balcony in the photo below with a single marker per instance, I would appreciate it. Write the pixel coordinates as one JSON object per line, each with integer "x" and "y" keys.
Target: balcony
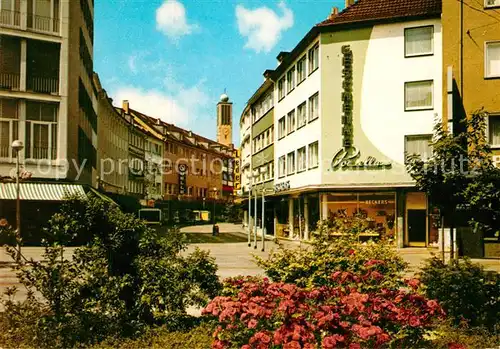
{"x": 43, "y": 24}
{"x": 9, "y": 81}
{"x": 10, "y": 18}
{"x": 43, "y": 85}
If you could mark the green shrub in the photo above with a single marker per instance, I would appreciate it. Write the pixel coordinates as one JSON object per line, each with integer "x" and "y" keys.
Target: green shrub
{"x": 313, "y": 266}
{"x": 466, "y": 292}
{"x": 449, "y": 336}
{"x": 126, "y": 279}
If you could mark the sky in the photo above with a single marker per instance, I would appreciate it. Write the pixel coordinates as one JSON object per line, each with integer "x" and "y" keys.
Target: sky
{"x": 172, "y": 59}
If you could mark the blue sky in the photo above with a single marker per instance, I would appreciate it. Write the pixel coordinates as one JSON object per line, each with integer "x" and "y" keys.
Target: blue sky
{"x": 173, "y": 58}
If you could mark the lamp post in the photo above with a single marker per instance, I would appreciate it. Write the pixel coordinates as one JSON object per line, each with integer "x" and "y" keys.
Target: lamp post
{"x": 255, "y": 175}
{"x": 263, "y": 171}
{"x": 249, "y": 177}
{"x": 17, "y": 146}
{"x": 215, "y": 197}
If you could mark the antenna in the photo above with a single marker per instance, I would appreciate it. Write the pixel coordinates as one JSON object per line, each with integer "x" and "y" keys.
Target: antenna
{"x": 224, "y": 90}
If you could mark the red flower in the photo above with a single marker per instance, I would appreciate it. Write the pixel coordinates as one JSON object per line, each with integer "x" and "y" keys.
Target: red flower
{"x": 354, "y": 346}
{"x": 292, "y": 345}
{"x": 414, "y": 321}
{"x": 456, "y": 346}
{"x": 414, "y": 283}
{"x": 351, "y": 251}
{"x": 433, "y": 304}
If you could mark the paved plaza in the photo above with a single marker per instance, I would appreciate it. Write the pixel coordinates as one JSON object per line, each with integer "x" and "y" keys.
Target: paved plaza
{"x": 233, "y": 259}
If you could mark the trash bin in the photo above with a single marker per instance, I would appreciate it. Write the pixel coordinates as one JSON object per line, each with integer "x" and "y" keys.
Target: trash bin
{"x": 215, "y": 230}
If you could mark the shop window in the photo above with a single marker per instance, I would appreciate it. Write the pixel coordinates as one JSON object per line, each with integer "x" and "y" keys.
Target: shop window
{"x": 492, "y": 3}
{"x": 419, "y": 41}
{"x": 418, "y": 145}
{"x": 378, "y": 209}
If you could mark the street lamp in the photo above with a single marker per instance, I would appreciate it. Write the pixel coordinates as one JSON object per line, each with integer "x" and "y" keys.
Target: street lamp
{"x": 17, "y": 146}
{"x": 215, "y": 196}
{"x": 249, "y": 177}
{"x": 255, "y": 176}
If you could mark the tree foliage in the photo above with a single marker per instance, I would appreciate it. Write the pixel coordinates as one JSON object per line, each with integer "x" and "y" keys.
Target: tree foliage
{"x": 460, "y": 178}
{"x": 126, "y": 278}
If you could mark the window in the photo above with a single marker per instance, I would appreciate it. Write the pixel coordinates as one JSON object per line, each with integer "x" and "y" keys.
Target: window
{"x": 313, "y": 59}
{"x": 492, "y": 3}
{"x": 419, "y": 145}
{"x": 290, "y": 163}
{"x": 314, "y": 107}
{"x": 290, "y": 123}
{"x": 301, "y": 70}
{"x": 418, "y": 95}
{"x": 8, "y": 127}
{"x": 492, "y": 59}
{"x": 281, "y": 128}
{"x": 41, "y": 131}
{"x": 281, "y": 88}
{"x": 419, "y": 41}
{"x": 313, "y": 155}
{"x": 281, "y": 166}
{"x": 290, "y": 80}
{"x": 190, "y": 191}
{"x": 494, "y": 130}
{"x": 301, "y": 115}
{"x": 301, "y": 159}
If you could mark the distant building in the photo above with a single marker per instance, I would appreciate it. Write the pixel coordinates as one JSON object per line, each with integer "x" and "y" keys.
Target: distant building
{"x": 225, "y": 121}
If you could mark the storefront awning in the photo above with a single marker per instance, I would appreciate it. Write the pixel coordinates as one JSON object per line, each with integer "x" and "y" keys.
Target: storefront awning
{"x": 41, "y": 191}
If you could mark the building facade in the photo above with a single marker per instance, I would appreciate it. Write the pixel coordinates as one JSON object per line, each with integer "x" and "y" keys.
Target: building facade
{"x": 335, "y": 96}
{"x": 47, "y": 95}
{"x": 112, "y": 149}
{"x": 471, "y": 75}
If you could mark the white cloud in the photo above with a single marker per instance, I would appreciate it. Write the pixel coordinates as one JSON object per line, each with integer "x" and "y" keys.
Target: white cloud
{"x": 171, "y": 20}
{"x": 262, "y": 26}
{"x": 182, "y": 108}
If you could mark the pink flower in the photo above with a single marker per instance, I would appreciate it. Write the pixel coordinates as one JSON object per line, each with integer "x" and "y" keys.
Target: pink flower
{"x": 432, "y": 304}
{"x": 351, "y": 251}
{"x": 252, "y": 323}
{"x": 292, "y": 345}
{"x": 414, "y": 321}
{"x": 456, "y": 346}
{"x": 354, "y": 346}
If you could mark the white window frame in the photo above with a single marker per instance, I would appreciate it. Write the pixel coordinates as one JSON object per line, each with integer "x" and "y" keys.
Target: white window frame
{"x": 290, "y": 80}
{"x": 302, "y": 119}
{"x": 289, "y": 128}
{"x": 431, "y": 107}
{"x": 496, "y": 4}
{"x": 430, "y": 53}
{"x": 309, "y": 111}
{"x": 486, "y": 65}
{"x": 302, "y": 159}
{"x": 413, "y": 137}
{"x": 282, "y": 131}
{"x": 281, "y": 88}
{"x": 291, "y": 166}
{"x": 302, "y": 62}
{"x": 490, "y": 141}
{"x": 282, "y": 166}
{"x": 309, "y": 147}
{"x": 313, "y": 63}
{"x": 30, "y": 128}
{"x": 11, "y": 139}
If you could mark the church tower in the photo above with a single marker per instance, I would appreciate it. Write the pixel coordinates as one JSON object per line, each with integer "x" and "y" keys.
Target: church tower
{"x": 225, "y": 120}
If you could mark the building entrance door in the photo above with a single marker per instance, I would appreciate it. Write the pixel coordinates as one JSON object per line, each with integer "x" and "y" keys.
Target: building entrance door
{"x": 417, "y": 227}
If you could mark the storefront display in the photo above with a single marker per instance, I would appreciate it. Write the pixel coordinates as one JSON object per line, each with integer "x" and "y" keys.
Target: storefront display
{"x": 378, "y": 208}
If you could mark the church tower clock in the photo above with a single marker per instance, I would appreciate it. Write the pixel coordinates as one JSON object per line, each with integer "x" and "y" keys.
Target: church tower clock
{"x": 225, "y": 120}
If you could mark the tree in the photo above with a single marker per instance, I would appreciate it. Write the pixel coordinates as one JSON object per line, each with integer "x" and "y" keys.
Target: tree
{"x": 460, "y": 178}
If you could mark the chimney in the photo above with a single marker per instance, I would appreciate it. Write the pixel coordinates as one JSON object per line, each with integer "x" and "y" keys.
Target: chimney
{"x": 349, "y": 3}
{"x": 125, "y": 106}
{"x": 335, "y": 12}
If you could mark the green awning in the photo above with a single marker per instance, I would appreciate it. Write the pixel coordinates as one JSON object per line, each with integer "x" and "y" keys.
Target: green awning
{"x": 41, "y": 191}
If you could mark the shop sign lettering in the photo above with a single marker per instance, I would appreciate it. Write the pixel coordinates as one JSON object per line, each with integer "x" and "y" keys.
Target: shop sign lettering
{"x": 348, "y": 158}
{"x": 282, "y": 186}
{"x": 377, "y": 202}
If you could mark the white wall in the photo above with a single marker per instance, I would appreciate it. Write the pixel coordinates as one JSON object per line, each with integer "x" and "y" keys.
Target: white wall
{"x": 383, "y": 117}
{"x": 303, "y": 136}
{"x": 245, "y": 149}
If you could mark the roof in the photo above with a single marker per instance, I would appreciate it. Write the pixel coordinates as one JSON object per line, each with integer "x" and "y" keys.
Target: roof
{"x": 41, "y": 191}
{"x": 377, "y": 10}
{"x": 363, "y": 12}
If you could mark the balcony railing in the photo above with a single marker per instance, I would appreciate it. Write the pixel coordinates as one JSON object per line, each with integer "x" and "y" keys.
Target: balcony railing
{"x": 10, "y": 18}
{"x": 42, "y": 23}
{"x": 9, "y": 81}
{"x": 43, "y": 85}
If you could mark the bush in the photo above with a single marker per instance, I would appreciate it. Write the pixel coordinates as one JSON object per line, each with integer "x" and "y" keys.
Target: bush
{"x": 449, "y": 336}
{"x": 312, "y": 266}
{"x": 466, "y": 292}
{"x": 279, "y": 315}
{"x": 127, "y": 278}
